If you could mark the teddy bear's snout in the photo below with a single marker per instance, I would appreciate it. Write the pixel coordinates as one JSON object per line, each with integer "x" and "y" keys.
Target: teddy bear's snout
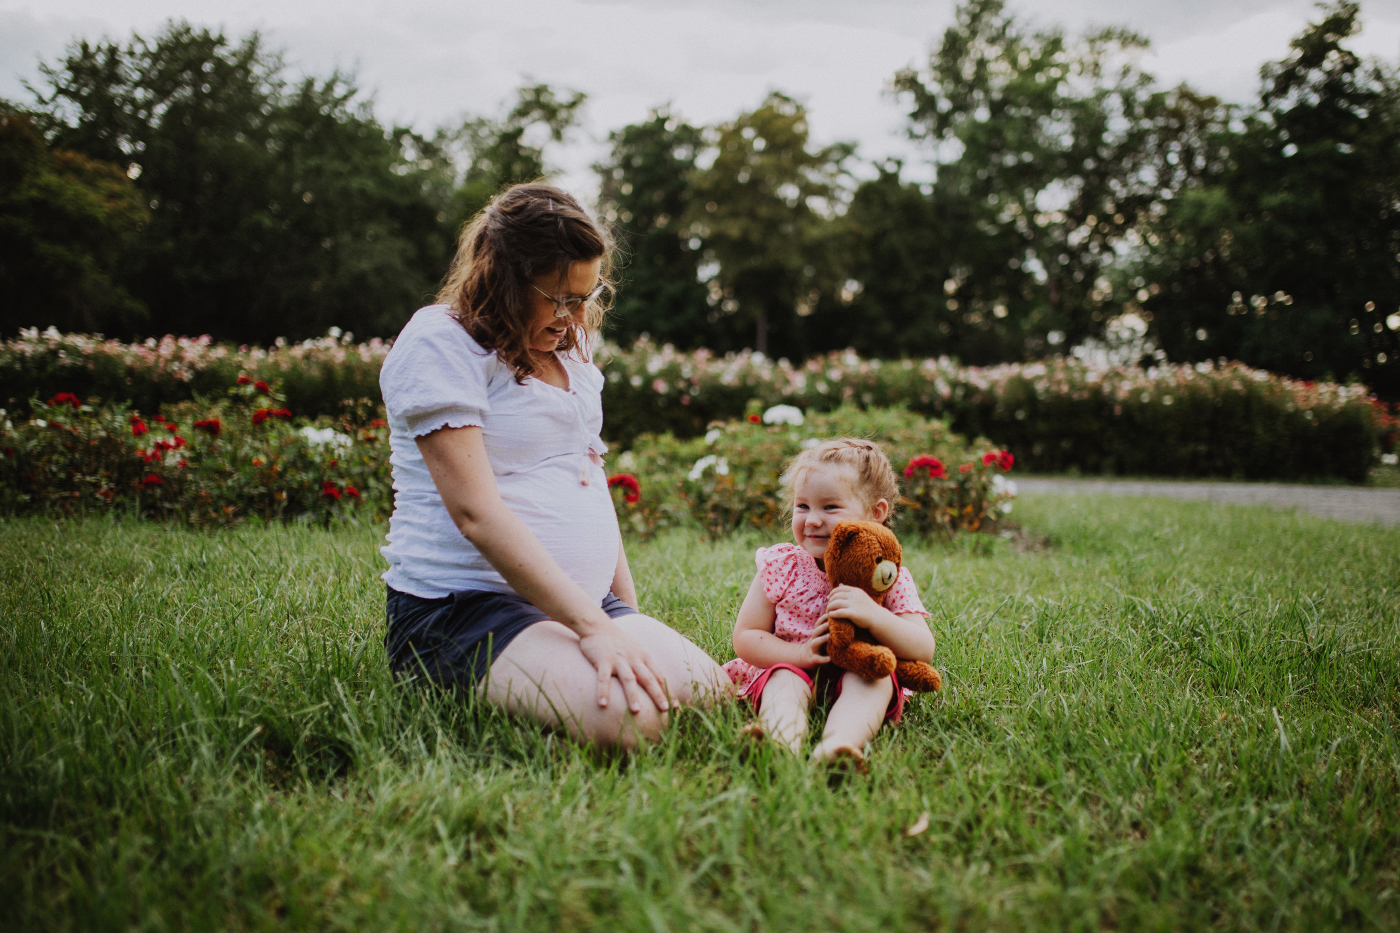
{"x": 885, "y": 573}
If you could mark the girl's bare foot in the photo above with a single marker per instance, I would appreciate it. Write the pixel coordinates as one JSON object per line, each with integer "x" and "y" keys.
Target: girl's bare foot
{"x": 846, "y": 757}
{"x": 754, "y": 730}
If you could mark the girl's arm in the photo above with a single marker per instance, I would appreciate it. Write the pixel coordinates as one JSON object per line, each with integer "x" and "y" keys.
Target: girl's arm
{"x": 907, "y": 635}
{"x": 456, "y": 458}
{"x": 755, "y": 642}
{"x": 623, "y": 587}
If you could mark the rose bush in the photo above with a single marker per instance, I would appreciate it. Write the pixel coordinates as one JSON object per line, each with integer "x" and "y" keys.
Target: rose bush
{"x": 732, "y": 477}
{"x": 228, "y": 466}
{"x": 1210, "y": 419}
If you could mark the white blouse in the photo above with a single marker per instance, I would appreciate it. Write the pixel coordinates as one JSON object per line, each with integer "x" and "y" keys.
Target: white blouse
{"x": 538, "y": 440}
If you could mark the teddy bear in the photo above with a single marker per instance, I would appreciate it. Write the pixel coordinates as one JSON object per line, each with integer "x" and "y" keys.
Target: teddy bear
{"x": 867, "y": 555}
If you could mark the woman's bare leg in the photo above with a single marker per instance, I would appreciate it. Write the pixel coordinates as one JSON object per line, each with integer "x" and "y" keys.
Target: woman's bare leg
{"x": 855, "y": 717}
{"x": 691, "y": 675}
{"x": 783, "y": 713}
{"x": 542, "y": 675}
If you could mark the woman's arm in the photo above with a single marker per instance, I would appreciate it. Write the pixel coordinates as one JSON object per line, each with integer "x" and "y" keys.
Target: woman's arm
{"x": 623, "y": 586}
{"x": 755, "y": 642}
{"x": 907, "y": 635}
{"x": 456, "y": 458}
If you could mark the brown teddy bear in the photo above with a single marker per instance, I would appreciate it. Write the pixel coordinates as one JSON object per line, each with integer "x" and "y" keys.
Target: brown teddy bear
{"x": 866, "y": 555}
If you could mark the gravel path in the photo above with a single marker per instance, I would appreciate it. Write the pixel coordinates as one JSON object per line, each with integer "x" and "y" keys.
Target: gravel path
{"x": 1346, "y": 503}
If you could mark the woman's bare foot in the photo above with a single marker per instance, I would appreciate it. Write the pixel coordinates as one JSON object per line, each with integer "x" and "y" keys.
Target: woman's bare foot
{"x": 846, "y": 757}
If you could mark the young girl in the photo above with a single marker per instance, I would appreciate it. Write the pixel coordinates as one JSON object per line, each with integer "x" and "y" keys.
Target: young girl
{"x": 781, "y": 633}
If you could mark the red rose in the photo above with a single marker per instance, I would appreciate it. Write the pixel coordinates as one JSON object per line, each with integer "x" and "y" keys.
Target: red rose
{"x": 245, "y": 380}
{"x": 66, "y": 398}
{"x": 158, "y": 418}
{"x": 282, "y": 413}
{"x": 261, "y": 415}
{"x": 211, "y": 426}
{"x": 379, "y": 423}
{"x": 138, "y": 427}
{"x": 964, "y": 468}
{"x": 152, "y": 480}
{"x": 172, "y": 427}
{"x": 352, "y": 492}
{"x": 1005, "y": 460}
{"x": 262, "y": 388}
{"x": 330, "y": 490}
{"x": 754, "y": 419}
{"x": 925, "y": 462}
{"x": 183, "y": 463}
{"x": 989, "y": 458}
{"x": 257, "y": 461}
{"x": 631, "y": 489}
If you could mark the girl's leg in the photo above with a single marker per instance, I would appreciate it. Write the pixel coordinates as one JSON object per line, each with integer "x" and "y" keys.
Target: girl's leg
{"x": 542, "y": 675}
{"x": 854, "y": 718}
{"x": 782, "y": 710}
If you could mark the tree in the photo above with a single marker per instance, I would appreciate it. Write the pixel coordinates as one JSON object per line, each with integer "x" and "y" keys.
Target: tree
{"x": 760, "y": 212}
{"x": 1045, "y": 155}
{"x": 276, "y": 208}
{"x": 646, "y": 191}
{"x": 1286, "y": 253}
{"x": 508, "y": 150}
{"x": 64, "y": 222}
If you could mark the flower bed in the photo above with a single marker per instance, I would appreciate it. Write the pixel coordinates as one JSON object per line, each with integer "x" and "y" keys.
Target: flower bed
{"x": 1060, "y": 415}
{"x": 732, "y": 477}
{"x": 241, "y": 457}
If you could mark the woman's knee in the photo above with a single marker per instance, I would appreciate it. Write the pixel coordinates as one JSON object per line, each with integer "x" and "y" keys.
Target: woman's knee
{"x": 616, "y": 726}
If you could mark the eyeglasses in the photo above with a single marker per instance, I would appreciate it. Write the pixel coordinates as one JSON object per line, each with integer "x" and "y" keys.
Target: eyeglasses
{"x": 567, "y": 307}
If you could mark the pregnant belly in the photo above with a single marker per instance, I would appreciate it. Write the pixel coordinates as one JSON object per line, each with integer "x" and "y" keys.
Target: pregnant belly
{"x": 576, "y": 523}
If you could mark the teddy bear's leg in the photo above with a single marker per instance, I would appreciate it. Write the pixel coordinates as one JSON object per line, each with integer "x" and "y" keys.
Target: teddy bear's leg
{"x": 918, "y": 676}
{"x": 869, "y": 661}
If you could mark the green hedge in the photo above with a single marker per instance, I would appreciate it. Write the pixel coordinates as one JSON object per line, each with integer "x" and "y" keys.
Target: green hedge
{"x": 1220, "y": 419}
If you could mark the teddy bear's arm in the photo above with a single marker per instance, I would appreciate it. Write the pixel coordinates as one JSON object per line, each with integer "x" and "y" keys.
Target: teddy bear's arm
{"x": 906, "y": 634}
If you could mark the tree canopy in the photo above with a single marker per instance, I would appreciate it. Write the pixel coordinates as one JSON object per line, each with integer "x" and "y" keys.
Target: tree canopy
{"x": 188, "y": 184}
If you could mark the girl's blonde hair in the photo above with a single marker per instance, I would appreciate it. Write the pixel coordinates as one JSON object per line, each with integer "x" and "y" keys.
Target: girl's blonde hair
{"x": 872, "y": 476}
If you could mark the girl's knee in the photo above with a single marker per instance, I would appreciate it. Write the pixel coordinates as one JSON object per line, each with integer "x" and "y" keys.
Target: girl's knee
{"x": 884, "y": 687}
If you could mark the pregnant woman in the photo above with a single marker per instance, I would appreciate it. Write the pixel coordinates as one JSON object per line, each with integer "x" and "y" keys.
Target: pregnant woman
{"x": 507, "y": 573}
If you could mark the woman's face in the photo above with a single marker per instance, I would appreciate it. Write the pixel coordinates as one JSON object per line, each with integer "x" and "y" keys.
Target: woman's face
{"x": 546, "y": 330}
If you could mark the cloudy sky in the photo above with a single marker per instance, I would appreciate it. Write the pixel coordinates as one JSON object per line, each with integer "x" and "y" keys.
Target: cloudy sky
{"x": 430, "y": 62}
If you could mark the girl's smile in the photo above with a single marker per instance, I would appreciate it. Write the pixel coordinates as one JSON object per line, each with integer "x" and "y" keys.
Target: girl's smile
{"x": 822, "y": 497}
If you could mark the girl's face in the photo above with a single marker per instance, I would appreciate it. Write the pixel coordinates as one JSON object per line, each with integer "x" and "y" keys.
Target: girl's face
{"x": 547, "y": 329}
{"x": 823, "y": 496}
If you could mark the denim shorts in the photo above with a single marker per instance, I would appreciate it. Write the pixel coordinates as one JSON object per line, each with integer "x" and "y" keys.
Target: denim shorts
{"x": 455, "y": 640}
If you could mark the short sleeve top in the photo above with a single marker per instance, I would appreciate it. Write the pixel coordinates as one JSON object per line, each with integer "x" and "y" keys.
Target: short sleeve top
{"x": 798, "y": 590}
{"x": 544, "y": 445}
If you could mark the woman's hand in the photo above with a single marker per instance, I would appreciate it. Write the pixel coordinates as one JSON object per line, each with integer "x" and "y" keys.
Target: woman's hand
{"x": 855, "y": 606}
{"x": 813, "y": 650}
{"x": 616, "y": 654}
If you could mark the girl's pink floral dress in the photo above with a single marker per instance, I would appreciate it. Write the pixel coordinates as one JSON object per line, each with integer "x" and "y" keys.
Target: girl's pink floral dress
{"x": 798, "y": 590}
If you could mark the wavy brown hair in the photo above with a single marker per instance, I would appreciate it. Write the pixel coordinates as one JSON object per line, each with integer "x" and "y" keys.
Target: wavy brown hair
{"x": 526, "y": 231}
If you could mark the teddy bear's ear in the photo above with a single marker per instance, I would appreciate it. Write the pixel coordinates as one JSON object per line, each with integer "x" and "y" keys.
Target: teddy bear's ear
{"x": 840, "y": 537}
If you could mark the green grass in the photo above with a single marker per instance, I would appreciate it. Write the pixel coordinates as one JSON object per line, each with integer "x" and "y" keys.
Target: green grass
{"x": 1177, "y": 716}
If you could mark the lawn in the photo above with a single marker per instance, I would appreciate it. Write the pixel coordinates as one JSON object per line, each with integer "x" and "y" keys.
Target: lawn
{"x": 1158, "y": 715}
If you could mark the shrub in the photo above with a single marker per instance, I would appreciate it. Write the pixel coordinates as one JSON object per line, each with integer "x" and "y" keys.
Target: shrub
{"x": 940, "y": 500}
{"x": 732, "y": 477}
{"x": 203, "y": 463}
{"x": 1210, "y": 419}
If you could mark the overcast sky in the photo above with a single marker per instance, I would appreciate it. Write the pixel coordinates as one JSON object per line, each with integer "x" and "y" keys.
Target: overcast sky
{"x": 430, "y": 62}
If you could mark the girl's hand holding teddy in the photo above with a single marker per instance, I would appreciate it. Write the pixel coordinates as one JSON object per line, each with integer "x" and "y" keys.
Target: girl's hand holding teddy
{"x": 855, "y": 606}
